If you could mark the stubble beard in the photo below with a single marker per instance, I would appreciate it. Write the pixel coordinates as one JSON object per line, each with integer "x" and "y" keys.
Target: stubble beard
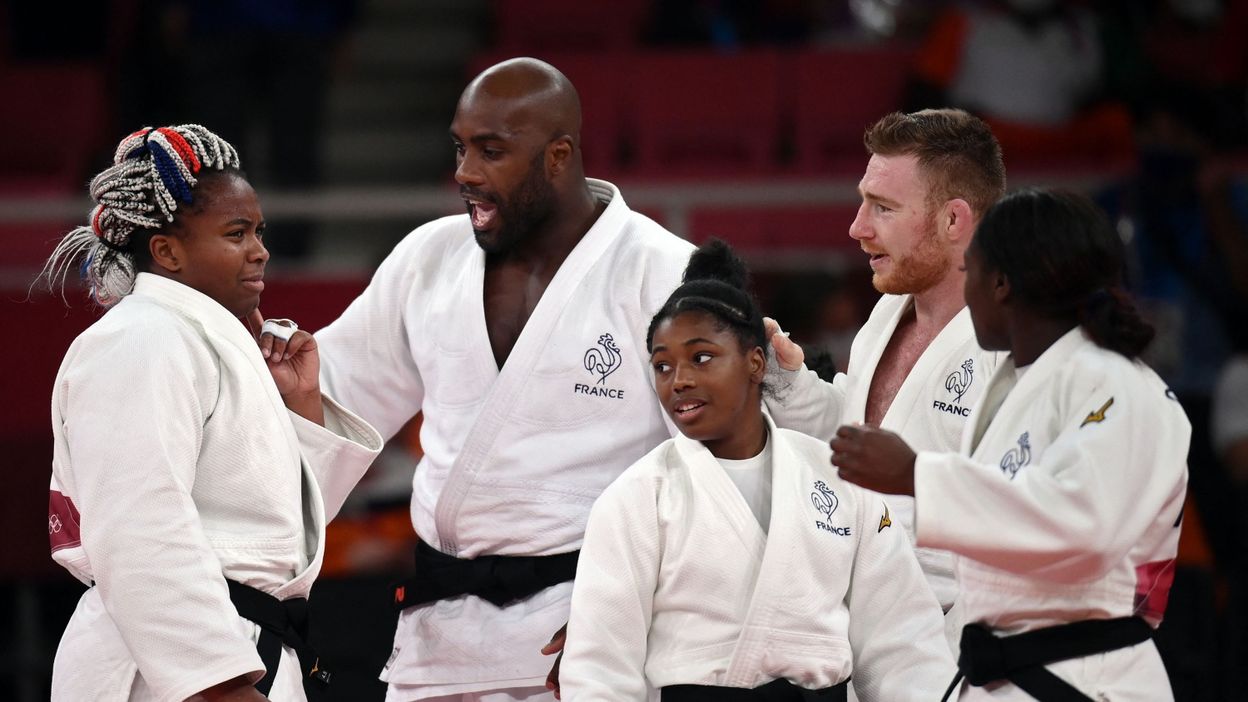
{"x": 919, "y": 269}
{"x": 527, "y": 208}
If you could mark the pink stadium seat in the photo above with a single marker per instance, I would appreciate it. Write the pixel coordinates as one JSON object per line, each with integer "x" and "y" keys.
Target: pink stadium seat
{"x": 776, "y": 229}
{"x": 705, "y": 114}
{"x": 563, "y": 25}
{"x": 837, "y": 94}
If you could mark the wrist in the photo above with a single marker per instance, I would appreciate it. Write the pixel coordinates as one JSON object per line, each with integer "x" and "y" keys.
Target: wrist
{"x": 306, "y": 404}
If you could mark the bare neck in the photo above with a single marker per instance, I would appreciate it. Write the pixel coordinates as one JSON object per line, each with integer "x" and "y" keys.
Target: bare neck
{"x": 936, "y": 306}
{"x": 1032, "y": 334}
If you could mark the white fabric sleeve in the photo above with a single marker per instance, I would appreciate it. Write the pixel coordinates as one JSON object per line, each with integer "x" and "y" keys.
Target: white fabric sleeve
{"x": 135, "y": 407}
{"x": 896, "y": 628}
{"x": 613, "y": 598}
{"x": 338, "y": 453}
{"x": 807, "y": 403}
{"x": 1075, "y": 512}
{"x": 366, "y": 360}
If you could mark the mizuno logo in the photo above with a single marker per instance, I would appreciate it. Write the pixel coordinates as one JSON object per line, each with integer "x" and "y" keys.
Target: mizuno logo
{"x": 885, "y": 522}
{"x": 1098, "y": 416}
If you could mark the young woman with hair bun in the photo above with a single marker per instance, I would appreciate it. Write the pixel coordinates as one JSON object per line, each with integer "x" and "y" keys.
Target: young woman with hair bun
{"x": 730, "y": 563}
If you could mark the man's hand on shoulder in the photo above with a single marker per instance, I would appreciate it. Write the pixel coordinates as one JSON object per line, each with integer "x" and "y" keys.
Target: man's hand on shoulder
{"x": 789, "y": 355}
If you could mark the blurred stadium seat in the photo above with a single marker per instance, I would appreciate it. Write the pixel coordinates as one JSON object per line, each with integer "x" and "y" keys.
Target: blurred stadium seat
{"x": 560, "y": 25}
{"x": 704, "y": 114}
{"x": 776, "y": 229}
{"x": 834, "y": 95}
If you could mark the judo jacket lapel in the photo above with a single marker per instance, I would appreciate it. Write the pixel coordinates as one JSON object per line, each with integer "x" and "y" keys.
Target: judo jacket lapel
{"x": 860, "y": 375}
{"x": 916, "y": 382}
{"x": 533, "y": 341}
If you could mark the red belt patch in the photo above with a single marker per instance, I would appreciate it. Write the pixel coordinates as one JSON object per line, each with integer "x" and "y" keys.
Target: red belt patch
{"x": 64, "y": 529}
{"x": 1152, "y": 590}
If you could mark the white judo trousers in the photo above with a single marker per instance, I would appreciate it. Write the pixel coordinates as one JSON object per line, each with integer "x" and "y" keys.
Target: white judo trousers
{"x": 176, "y": 465}
{"x": 679, "y": 584}
{"x": 1065, "y": 505}
{"x": 930, "y": 410}
{"x": 514, "y": 457}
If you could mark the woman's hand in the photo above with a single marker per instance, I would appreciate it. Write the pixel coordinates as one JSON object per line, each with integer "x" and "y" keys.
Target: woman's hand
{"x": 294, "y": 364}
{"x": 874, "y": 458}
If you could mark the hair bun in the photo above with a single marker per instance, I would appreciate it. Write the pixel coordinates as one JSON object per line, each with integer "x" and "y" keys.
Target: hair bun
{"x": 715, "y": 260}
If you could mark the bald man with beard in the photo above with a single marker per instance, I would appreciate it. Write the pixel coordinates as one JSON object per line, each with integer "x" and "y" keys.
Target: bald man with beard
{"x": 518, "y": 329}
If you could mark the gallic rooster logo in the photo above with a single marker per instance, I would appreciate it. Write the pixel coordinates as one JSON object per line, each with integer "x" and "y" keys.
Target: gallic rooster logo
{"x": 959, "y": 382}
{"x": 1016, "y": 458}
{"x": 605, "y": 360}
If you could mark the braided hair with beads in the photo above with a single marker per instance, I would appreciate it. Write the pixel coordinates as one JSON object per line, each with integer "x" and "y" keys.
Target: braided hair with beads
{"x": 154, "y": 172}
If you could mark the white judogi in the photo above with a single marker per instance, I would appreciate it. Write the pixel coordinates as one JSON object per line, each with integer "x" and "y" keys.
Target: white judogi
{"x": 929, "y": 410}
{"x": 514, "y": 458}
{"x": 678, "y": 584}
{"x": 176, "y": 465}
{"x": 1067, "y": 509}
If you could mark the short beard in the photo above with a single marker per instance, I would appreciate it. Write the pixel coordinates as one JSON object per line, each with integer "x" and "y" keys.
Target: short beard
{"x": 919, "y": 270}
{"x": 524, "y": 210}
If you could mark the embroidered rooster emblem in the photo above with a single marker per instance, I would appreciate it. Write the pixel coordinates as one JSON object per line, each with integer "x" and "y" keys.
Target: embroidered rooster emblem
{"x": 885, "y": 522}
{"x": 824, "y": 499}
{"x": 1098, "y": 416}
{"x": 1016, "y": 458}
{"x": 603, "y": 361}
{"x": 959, "y": 382}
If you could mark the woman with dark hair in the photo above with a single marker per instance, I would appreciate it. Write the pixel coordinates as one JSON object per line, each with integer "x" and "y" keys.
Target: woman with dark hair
{"x": 731, "y": 558}
{"x": 1065, "y": 502}
{"x": 192, "y": 474}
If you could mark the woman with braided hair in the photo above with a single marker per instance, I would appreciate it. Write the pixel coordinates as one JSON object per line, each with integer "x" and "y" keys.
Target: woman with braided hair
{"x": 191, "y": 477}
{"x": 730, "y": 563}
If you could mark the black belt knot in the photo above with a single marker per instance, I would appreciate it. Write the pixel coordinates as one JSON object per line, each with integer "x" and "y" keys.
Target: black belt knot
{"x": 988, "y": 662}
{"x": 281, "y": 622}
{"x": 1021, "y": 659}
{"x": 496, "y": 579}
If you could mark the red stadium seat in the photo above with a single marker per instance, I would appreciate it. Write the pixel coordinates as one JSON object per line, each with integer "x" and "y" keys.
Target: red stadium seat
{"x": 563, "y": 25}
{"x": 705, "y": 114}
{"x": 776, "y": 229}
{"x": 837, "y": 94}
{"x": 49, "y": 140}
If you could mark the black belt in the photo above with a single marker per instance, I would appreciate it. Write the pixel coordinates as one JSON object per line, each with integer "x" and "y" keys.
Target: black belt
{"x": 1021, "y": 658}
{"x": 498, "y": 579}
{"x": 280, "y": 622}
{"x": 779, "y": 690}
